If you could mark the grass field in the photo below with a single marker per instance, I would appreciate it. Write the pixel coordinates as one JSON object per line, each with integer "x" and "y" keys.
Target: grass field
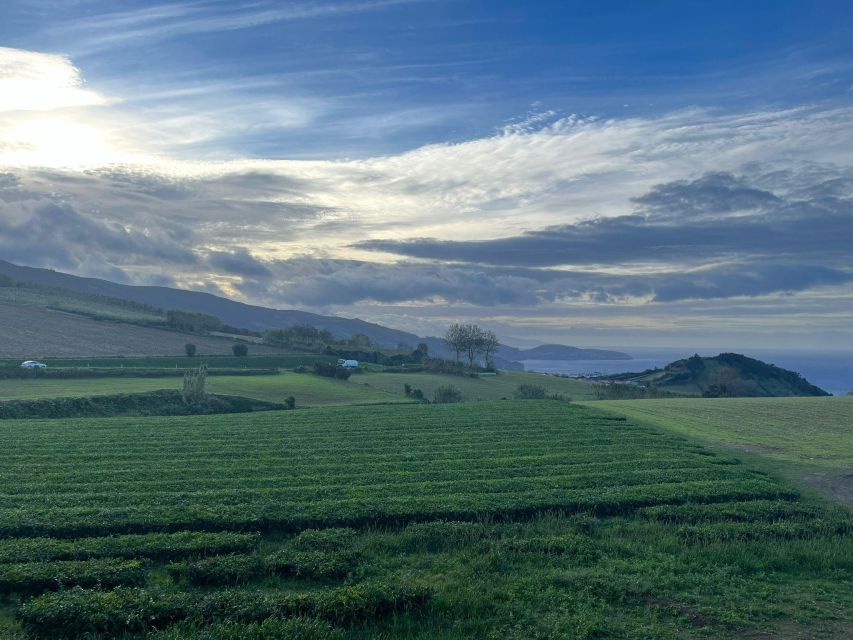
{"x": 508, "y": 519}
{"x": 805, "y": 438}
{"x": 309, "y": 390}
{"x": 483, "y": 388}
{"x": 282, "y": 361}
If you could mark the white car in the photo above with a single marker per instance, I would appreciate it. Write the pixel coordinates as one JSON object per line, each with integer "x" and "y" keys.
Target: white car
{"x": 33, "y": 364}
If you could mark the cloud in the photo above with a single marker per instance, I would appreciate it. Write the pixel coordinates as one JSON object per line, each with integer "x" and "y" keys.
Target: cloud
{"x": 33, "y": 81}
{"x": 180, "y": 19}
{"x": 238, "y": 262}
{"x": 45, "y": 231}
{"x": 715, "y": 217}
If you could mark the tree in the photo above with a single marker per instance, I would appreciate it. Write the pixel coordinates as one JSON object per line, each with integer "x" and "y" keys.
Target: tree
{"x": 489, "y": 343}
{"x": 189, "y": 349}
{"x": 359, "y": 340}
{"x": 192, "y": 321}
{"x": 455, "y": 338}
{"x": 473, "y": 342}
{"x": 240, "y": 349}
{"x": 193, "y": 391}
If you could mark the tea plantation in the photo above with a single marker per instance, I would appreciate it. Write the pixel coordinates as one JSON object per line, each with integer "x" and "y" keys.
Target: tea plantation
{"x": 507, "y": 519}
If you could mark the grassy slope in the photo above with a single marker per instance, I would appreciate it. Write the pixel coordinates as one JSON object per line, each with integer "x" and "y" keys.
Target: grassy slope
{"x": 77, "y": 303}
{"x": 633, "y": 574}
{"x": 309, "y": 390}
{"x": 483, "y": 388}
{"x": 807, "y": 439}
{"x": 31, "y": 332}
{"x": 283, "y": 361}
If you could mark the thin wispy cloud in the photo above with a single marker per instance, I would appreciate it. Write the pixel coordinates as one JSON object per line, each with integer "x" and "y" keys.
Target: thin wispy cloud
{"x": 150, "y": 24}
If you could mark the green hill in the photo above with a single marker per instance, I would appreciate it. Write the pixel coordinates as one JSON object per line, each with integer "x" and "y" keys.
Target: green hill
{"x": 725, "y": 375}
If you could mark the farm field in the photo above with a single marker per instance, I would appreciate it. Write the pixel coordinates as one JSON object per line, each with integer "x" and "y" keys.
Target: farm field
{"x": 483, "y": 388}
{"x": 282, "y": 361}
{"x": 33, "y": 332}
{"x": 309, "y": 390}
{"x": 806, "y": 438}
{"x": 507, "y": 519}
{"x": 87, "y": 305}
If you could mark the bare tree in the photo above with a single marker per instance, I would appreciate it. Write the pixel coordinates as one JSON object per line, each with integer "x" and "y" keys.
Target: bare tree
{"x": 489, "y": 343}
{"x": 455, "y": 338}
{"x": 473, "y": 342}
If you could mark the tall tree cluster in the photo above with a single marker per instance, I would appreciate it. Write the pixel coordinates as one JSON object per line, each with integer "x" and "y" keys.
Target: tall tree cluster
{"x": 471, "y": 341}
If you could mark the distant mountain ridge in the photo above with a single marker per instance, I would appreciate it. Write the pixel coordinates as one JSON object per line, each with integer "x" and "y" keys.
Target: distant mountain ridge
{"x": 257, "y": 318}
{"x": 561, "y": 352}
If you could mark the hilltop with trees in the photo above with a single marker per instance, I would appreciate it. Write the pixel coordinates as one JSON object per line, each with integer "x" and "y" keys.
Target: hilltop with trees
{"x": 725, "y": 375}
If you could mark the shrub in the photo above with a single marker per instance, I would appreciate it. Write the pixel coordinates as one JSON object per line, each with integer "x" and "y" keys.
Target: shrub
{"x": 407, "y": 389}
{"x": 189, "y": 349}
{"x": 77, "y": 612}
{"x": 418, "y": 394}
{"x": 290, "y": 402}
{"x": 233, "y": 569}
{"x": 240, "y": 349}
{"x": 313, "y": 564}
{"x": 529, "y": 391}
{"x": 447, "y": 393}
{"x": 329, "y": 370}
{"x": 193, "y": 390}
{"x": 290, "y": 629}
{"x": 35, "y": 577}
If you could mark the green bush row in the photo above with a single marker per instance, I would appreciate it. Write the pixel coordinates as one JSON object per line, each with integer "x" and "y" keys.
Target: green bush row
{"x": 379, "y": 509}
{"x": 150, "y": 403}
{"x": 35, "y": 577}
{"x": 290, "y": 629}
{"x": 743, "y": 531}
{"x": 328, "y": 553}
{"x": 154, "y": 546}
{"x": 76, "y": 612}
{"x": 751, "y": 511}
{"x": 20, "y": 373}
{"x": 320, "y": 491}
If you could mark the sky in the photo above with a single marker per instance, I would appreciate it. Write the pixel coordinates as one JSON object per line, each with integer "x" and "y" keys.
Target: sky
{"x": 667, "y": 173}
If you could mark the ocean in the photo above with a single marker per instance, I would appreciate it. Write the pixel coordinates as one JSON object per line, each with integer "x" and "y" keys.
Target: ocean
{"x": 829, "y": 370}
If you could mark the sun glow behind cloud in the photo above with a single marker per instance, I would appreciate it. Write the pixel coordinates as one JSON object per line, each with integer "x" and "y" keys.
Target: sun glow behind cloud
{"x": 299, "y": 232}
{"x": 45, "y": 114}
{"x": 33, "y": 81}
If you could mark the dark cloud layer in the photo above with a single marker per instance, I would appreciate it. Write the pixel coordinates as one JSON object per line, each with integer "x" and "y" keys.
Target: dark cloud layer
{"x": 717, "y": 217}
{"x": 719, "y": 236}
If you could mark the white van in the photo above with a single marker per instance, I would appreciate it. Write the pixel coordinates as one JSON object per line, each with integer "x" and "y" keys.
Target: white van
{"x": 33, "y": 364}
{"x": 348, "y": 364}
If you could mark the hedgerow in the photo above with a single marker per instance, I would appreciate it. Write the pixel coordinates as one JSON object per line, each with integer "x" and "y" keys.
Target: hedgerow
{"x": 290, "y": 629}
{"x": 35, "y": 577}
{"x": 74, "y": 612}
{"x": 155, "y": 546}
